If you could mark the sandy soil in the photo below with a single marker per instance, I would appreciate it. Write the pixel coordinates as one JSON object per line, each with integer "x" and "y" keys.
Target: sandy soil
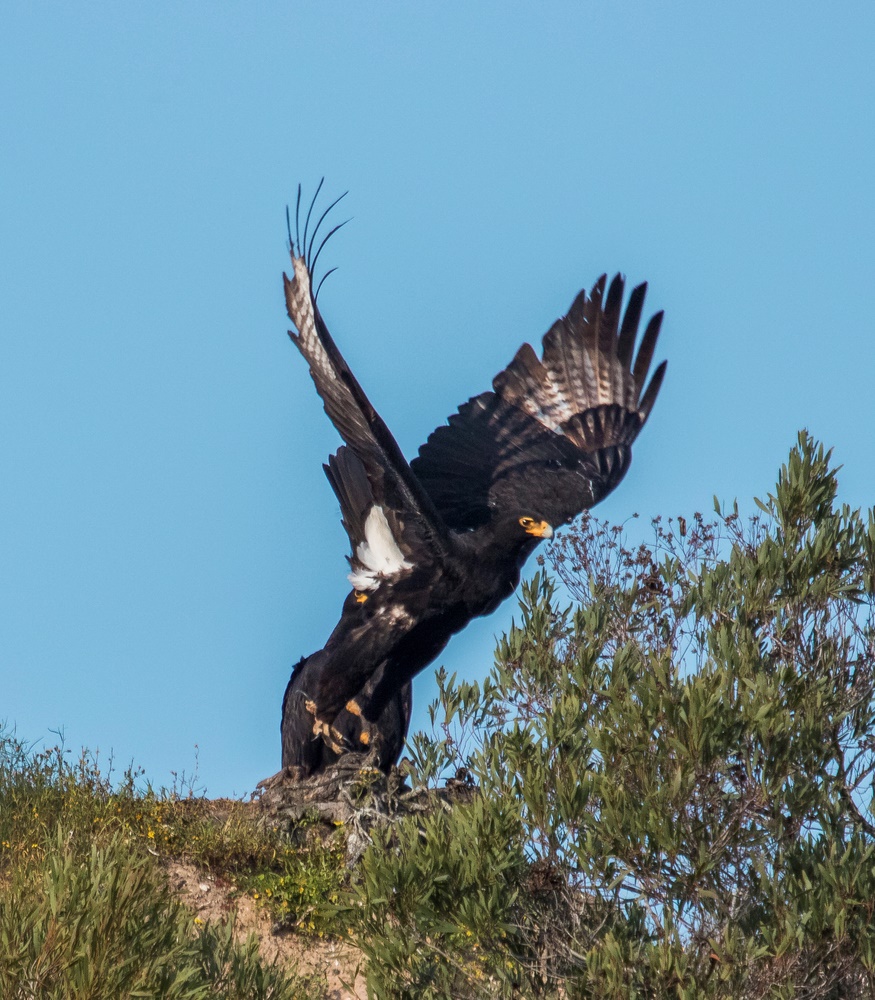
{"x": 212, "y": 898}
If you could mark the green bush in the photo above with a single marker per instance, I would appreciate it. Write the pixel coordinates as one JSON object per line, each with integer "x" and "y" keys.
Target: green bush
{"x": 675, "y": 773}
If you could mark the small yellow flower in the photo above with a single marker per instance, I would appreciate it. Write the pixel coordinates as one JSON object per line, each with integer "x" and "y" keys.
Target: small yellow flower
{"x": 198, "y": 920}
{"x": 151, "y": 835}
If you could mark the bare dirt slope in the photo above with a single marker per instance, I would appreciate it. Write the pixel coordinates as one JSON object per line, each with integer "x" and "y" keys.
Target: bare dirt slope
{"x": 212, "y": 898}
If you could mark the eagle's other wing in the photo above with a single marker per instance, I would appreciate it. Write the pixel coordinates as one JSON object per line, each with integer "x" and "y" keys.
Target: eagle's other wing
{"x": 401, "y": 504}
{"x": 555, "y": 434}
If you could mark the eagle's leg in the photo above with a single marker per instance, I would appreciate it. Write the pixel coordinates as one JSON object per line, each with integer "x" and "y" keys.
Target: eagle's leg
{"x": 381, "y": 736}
{"x": 315, "y": 734}
{"x": 331, "y": 737}
{"x": 395, "y": 675}
{"x": 369, "y": 736}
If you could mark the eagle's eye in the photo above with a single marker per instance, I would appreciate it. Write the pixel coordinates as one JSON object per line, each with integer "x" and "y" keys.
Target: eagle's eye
{"x": 527, "y": 522}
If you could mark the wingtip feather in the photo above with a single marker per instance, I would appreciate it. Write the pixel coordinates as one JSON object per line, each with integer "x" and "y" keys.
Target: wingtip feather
{"x": 615, "y": 300}
{"x": 629, "y": 326}
{"x": 650, "y": 394}
{"x": 645, "y": 351}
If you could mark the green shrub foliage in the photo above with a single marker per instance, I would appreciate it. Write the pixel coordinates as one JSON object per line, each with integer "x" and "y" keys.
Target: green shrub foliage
{"x": 674, "y": 754}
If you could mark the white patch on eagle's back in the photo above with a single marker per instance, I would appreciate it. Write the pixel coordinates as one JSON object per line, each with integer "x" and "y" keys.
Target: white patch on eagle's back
{"x": 378, "y": 555}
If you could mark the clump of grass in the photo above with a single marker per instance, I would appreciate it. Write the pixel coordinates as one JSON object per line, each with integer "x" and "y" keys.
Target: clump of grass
{"x": 298, "y": 881}
{"x": 303, "y": 888}
{"x": 223, "y": 835}
{"x": 84, "y": 906}
{"x": 106, "y": 926}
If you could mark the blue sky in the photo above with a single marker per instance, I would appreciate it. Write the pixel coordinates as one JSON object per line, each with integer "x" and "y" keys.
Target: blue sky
{"x": 169, "y": 546}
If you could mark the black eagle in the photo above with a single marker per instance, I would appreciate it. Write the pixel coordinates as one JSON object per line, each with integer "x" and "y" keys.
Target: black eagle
{"x": 442, "y": 539}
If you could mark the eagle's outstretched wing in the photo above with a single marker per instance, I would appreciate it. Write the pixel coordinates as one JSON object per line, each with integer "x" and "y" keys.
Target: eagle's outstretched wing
{"x": 555, "y": 433}
{"x": 402, "y": 506}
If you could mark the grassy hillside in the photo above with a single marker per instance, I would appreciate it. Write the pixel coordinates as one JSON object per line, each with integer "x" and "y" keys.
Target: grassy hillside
{"x": 667, "y": 785}
{"x": 86, "y": 910}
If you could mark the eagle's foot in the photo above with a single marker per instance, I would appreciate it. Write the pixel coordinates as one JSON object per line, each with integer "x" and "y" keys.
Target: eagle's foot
{"x": 369, "y": 737}
{"x": 371, "y": 741}
{"x": 331, "y": 737}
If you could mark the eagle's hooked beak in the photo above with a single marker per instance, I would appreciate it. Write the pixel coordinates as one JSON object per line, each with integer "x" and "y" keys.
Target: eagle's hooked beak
{"x": 540, "y": 529}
